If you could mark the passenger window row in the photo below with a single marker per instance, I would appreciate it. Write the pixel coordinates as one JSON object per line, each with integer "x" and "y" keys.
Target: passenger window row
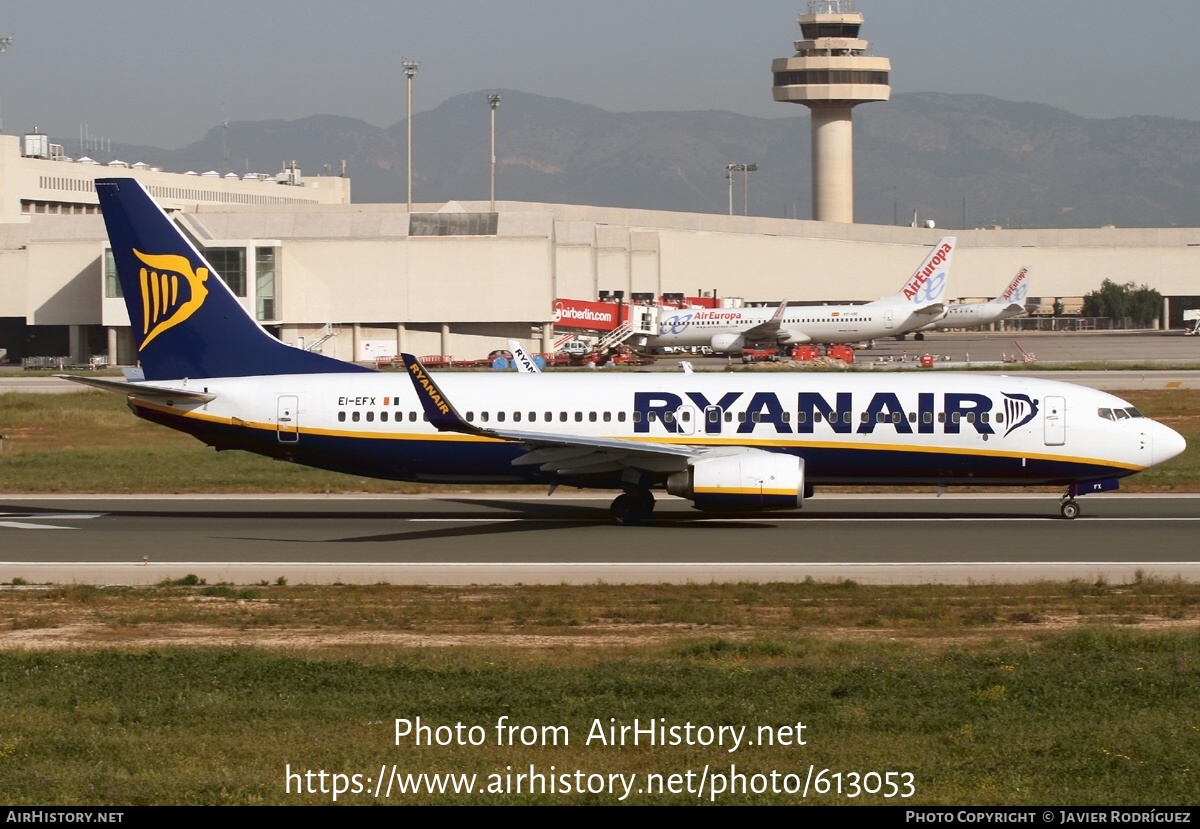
{"x": 685, "y": 416}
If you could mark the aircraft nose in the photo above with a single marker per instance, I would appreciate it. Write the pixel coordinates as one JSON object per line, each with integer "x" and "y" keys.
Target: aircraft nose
{"x": 1167, "y": 443}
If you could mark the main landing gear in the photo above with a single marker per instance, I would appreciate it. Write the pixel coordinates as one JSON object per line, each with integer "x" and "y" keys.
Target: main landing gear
{"x": 632, "y": 507}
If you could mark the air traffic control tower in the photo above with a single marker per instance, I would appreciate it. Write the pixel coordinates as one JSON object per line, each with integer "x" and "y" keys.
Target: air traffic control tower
{"x": 831, "y": 74}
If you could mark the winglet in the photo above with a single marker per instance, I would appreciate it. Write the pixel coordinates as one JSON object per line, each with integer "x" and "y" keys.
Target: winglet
{"x": 438, "y": 408}
{"x": 778, "y": 315}
{"x": 524, "y": 363}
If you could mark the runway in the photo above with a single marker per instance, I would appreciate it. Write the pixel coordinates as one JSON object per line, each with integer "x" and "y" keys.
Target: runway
{"x": 530, "y": 539}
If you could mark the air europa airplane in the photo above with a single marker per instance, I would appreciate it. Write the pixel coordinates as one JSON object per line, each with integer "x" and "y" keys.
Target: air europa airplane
{"x": 727, "y": 442}
{"x": 917, "y": 304}
{"x": 1009, "y": 304}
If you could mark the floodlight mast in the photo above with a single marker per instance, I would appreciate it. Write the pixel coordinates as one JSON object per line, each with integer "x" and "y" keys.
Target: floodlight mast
{"x": 494, "y": 103}
{"x": 410, "y": 69}
{"x": 5, "y": 42}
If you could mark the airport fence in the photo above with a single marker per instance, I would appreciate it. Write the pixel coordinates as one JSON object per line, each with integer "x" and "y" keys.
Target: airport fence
{"x": 1068, "y": 324}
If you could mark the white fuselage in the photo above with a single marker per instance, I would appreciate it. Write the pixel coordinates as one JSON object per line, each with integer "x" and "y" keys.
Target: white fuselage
{"x": 974, "y": 315}
{"x": 887, "y": 429}
{"x": 799, "y": 324}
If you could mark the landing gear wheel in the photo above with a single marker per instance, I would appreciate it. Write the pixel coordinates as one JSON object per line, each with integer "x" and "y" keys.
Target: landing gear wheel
{"x": 918, "y": 336}
{"x": 632, "y": 508}
{"x": 1069, "y": 509}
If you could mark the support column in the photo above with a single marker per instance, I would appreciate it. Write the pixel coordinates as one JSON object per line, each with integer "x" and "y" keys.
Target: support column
{"x": 401, "y": 339}
{"x": 76, "y": 342}
{"x": 113, "y": 358}
{"x": 832, "y": 164}
{"x": 445, "y": 341}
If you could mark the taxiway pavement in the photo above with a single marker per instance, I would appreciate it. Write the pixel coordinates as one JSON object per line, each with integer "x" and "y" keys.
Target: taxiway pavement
{"x": 503, "y": 539}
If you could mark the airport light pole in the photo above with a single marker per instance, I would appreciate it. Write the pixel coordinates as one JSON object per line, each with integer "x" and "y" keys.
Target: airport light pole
{"x": 747, "y": 169}
{"x": 493, "y": 102}
{"x": 410, "y": 69}
{"x": 5, "y": 42}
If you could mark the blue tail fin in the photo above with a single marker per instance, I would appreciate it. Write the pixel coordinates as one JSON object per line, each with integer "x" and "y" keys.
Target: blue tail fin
{"x": 186, "y": 322}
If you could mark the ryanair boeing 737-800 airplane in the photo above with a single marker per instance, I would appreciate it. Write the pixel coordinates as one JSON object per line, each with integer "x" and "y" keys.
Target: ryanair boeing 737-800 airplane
{"x": 726, "y": 442}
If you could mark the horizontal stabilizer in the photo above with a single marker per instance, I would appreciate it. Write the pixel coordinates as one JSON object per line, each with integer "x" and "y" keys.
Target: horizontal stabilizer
{"x": 142, "y": 390}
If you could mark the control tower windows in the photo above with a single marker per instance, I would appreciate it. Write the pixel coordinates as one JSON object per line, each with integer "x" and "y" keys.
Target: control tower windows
{"x": 812, "y": 31}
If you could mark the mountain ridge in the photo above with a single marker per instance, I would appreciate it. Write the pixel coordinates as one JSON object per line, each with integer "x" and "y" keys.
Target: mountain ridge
{"x": 936, "y": 155}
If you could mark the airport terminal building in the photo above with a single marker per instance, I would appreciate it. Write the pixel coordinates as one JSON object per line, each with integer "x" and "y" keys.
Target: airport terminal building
{"x": 362, "y": 281}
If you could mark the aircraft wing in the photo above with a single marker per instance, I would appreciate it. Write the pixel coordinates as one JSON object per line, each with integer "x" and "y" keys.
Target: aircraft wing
{"x": 554, "y": 453}
{"x": 146, "y": 391}
{"x": 772, "y": 329}
{"x": 932, "y": 312}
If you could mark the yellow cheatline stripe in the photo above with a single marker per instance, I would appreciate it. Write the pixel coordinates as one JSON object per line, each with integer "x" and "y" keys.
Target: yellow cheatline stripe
{"x": 704, "y": 443}
{"x": 743, "y": 491}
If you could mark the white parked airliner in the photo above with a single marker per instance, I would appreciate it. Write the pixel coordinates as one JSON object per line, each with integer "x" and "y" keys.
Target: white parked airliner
{"x": 1009, "y": 304}
{"x": 916, "y": 305}
{"x": 726, "y": 442}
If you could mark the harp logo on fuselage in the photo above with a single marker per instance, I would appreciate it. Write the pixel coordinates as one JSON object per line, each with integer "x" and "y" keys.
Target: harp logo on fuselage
{"x": 171, "y": 292}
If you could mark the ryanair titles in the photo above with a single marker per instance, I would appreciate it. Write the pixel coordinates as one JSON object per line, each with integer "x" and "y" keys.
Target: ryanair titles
{"x": 947, "y": 413}
{"x": 423, "y": 382}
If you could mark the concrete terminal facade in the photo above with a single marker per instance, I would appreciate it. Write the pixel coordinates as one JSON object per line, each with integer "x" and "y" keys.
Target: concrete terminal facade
{"x": 459, "y": 279}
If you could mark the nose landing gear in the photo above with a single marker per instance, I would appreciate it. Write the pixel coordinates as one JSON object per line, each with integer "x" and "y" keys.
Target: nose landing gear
{"x": 1068, "y": 506}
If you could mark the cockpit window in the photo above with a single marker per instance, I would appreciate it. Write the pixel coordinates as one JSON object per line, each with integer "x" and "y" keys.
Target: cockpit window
{"x": 1121, "y": 414}
{"x": 1107, "y": 414}
{"x": 1134, "y": 412}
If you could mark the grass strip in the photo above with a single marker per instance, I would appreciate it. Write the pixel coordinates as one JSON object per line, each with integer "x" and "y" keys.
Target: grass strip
{"x": 1052, "y": 693}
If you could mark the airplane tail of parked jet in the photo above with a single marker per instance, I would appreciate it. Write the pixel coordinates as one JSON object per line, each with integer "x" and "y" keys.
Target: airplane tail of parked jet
{"x": 1014, "y": 295}
{"x": 186, "y": 321}
{"x": 925, "y": 290}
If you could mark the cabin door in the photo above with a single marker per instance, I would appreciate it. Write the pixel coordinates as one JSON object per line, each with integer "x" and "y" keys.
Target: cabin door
{"x": 287, "y": 420}
{"x": 1055, "y": 420}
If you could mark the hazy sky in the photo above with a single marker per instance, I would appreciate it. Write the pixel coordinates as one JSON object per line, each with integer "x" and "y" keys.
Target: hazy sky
{"x": 163, "y": 72}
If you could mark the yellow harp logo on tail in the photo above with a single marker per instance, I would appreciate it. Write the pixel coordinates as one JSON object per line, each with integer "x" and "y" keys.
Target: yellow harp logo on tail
{"x": 164, "y": 304}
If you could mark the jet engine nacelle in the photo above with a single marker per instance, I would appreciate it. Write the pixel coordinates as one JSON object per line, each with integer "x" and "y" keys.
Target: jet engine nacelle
{"x": 749, "y": 480}
{"x": 725, "y": 343}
